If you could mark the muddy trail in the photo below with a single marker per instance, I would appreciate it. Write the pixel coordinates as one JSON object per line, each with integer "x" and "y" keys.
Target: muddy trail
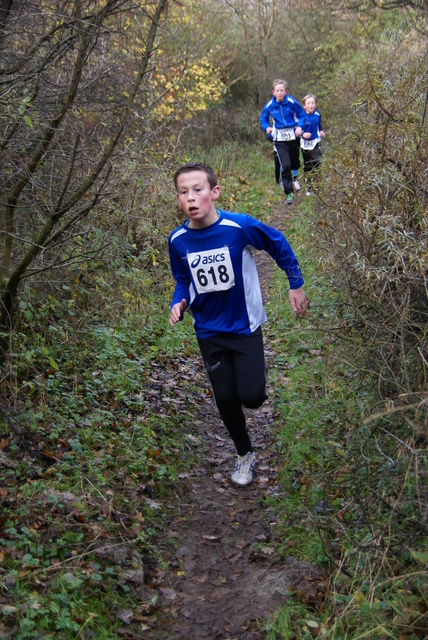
{"x": 224, "y": 577}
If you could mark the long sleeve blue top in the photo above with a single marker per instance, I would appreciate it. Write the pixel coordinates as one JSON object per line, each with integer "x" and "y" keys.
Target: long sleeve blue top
{"x": 311, "y": 123}
{"x": 216, "y": 274}
{"x": 282, "y": 115}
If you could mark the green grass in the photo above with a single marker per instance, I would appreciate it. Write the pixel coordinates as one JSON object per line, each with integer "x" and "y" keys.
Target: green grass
{"x": 93, "y": 452}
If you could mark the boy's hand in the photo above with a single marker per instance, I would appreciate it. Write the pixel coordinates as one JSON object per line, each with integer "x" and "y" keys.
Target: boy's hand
{"x": 298, "y": 301}
{"x": 298, "y": 132}
{"x": 177, "y": 312}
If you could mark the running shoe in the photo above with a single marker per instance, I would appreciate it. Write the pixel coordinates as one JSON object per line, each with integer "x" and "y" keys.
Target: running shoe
{"x": 290, "y": 197}
{"x": 243, "y": 473}
{"x": 296, "y": 185}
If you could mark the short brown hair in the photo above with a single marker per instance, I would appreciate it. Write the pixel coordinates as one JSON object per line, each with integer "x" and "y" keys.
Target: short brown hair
{"x": 279, "y": 81}
{"x": 197, "y": 166}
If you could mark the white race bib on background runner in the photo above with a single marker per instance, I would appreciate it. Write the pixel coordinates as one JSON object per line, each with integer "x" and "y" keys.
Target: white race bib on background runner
{"x": 284, "y": 135}
{"x": 212, "y": 270}
{"x": 309, "y": 145}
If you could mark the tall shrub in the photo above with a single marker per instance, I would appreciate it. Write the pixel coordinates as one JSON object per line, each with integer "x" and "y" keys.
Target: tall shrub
{"x": 371, "y": 224}
{"x": 374, "y": 214}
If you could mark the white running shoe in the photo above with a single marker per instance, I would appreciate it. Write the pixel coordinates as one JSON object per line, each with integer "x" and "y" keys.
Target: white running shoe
{"x": 243, "y": 473}
{"x": 296, "y": 185}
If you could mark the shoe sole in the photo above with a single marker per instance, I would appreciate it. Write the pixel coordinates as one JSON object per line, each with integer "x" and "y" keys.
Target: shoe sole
{"x": 240, "y": 484}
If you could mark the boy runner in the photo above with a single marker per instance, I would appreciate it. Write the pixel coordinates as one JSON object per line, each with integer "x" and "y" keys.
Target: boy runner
{"x": 284, "y": 111}
{"x": 217, "y": 280}
{"x": 310, "y": 129}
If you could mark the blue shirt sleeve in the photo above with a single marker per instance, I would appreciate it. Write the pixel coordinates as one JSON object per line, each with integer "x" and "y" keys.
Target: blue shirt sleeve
{"x": 264, "y": 118}
{"x": 181, "y": 276}
{"x": 266, "y": 238}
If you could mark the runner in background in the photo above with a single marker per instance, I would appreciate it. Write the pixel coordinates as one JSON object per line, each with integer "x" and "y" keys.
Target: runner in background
{"x": 283, "y": 111}
{"x": 310, "y": 131}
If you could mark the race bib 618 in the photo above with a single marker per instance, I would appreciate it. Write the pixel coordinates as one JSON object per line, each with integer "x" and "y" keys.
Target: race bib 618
{"x": 211, "y": 270}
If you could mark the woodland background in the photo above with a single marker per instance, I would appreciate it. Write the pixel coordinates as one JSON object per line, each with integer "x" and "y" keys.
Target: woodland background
{"x": 100, "y": 101}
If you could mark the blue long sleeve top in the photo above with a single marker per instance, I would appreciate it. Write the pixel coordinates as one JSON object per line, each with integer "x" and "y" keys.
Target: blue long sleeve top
{"x": 216, "y": 274}
{"x": 310, "y": 123}
{"x": 282, "y": 115}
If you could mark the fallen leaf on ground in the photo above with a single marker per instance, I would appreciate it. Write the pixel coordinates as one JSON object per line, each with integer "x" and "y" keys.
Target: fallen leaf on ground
{"x": 268, "y": 551}
{"x": 125, "y": 615}
{"x": 168, "y": 594}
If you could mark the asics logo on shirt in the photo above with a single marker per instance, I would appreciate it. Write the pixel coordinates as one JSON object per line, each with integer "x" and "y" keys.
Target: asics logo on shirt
{"x": 208, "y": 259}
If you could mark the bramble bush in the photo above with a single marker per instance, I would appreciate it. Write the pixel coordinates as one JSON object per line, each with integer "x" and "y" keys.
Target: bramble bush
{"x": 371, "y": 229}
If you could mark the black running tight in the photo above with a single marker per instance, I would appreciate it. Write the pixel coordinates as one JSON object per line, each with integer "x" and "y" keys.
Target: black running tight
{"x": 236, "y": 367}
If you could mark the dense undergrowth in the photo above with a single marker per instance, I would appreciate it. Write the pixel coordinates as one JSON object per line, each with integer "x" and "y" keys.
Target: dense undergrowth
{"x": 94, "y": 429}
{"x": 354, "y": 387}
{"x": 356, "y": 495}
{"x": 92, "y": 442}
{"x": 92, "y": 439}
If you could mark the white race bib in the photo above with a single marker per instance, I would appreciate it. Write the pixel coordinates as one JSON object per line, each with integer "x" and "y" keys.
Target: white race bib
{"x": 211, "y": 270}
{"x": 309, "y": 145}
{"x": 284, "y": 135}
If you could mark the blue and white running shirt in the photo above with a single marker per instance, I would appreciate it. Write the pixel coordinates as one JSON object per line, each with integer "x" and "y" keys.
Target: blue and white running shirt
{"x": 215, "y": 272}
{"x": 310, "y": 123}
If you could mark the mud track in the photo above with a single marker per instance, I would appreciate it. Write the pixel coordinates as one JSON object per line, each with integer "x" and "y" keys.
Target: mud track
{"x": 225, "y": 577}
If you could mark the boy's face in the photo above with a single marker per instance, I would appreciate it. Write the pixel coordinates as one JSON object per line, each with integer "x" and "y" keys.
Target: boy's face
{"x": 196, "y": 198}
{"x": 279, "y": 92}
{"x": 309, "y": 105}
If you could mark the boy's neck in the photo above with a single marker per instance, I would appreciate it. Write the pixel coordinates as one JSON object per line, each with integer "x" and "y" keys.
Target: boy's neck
{"x": 206, "y": 222}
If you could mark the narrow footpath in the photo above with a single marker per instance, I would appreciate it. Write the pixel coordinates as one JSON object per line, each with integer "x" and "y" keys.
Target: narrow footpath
{"x": 224, "y": 577}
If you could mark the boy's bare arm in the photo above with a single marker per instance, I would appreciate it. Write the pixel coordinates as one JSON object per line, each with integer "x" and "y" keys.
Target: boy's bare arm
{"x": 298, "y": 301}
{"x": 177, "y": 312}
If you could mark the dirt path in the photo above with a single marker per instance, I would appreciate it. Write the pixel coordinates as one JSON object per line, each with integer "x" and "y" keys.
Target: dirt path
{"x": 224, "y": 577}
